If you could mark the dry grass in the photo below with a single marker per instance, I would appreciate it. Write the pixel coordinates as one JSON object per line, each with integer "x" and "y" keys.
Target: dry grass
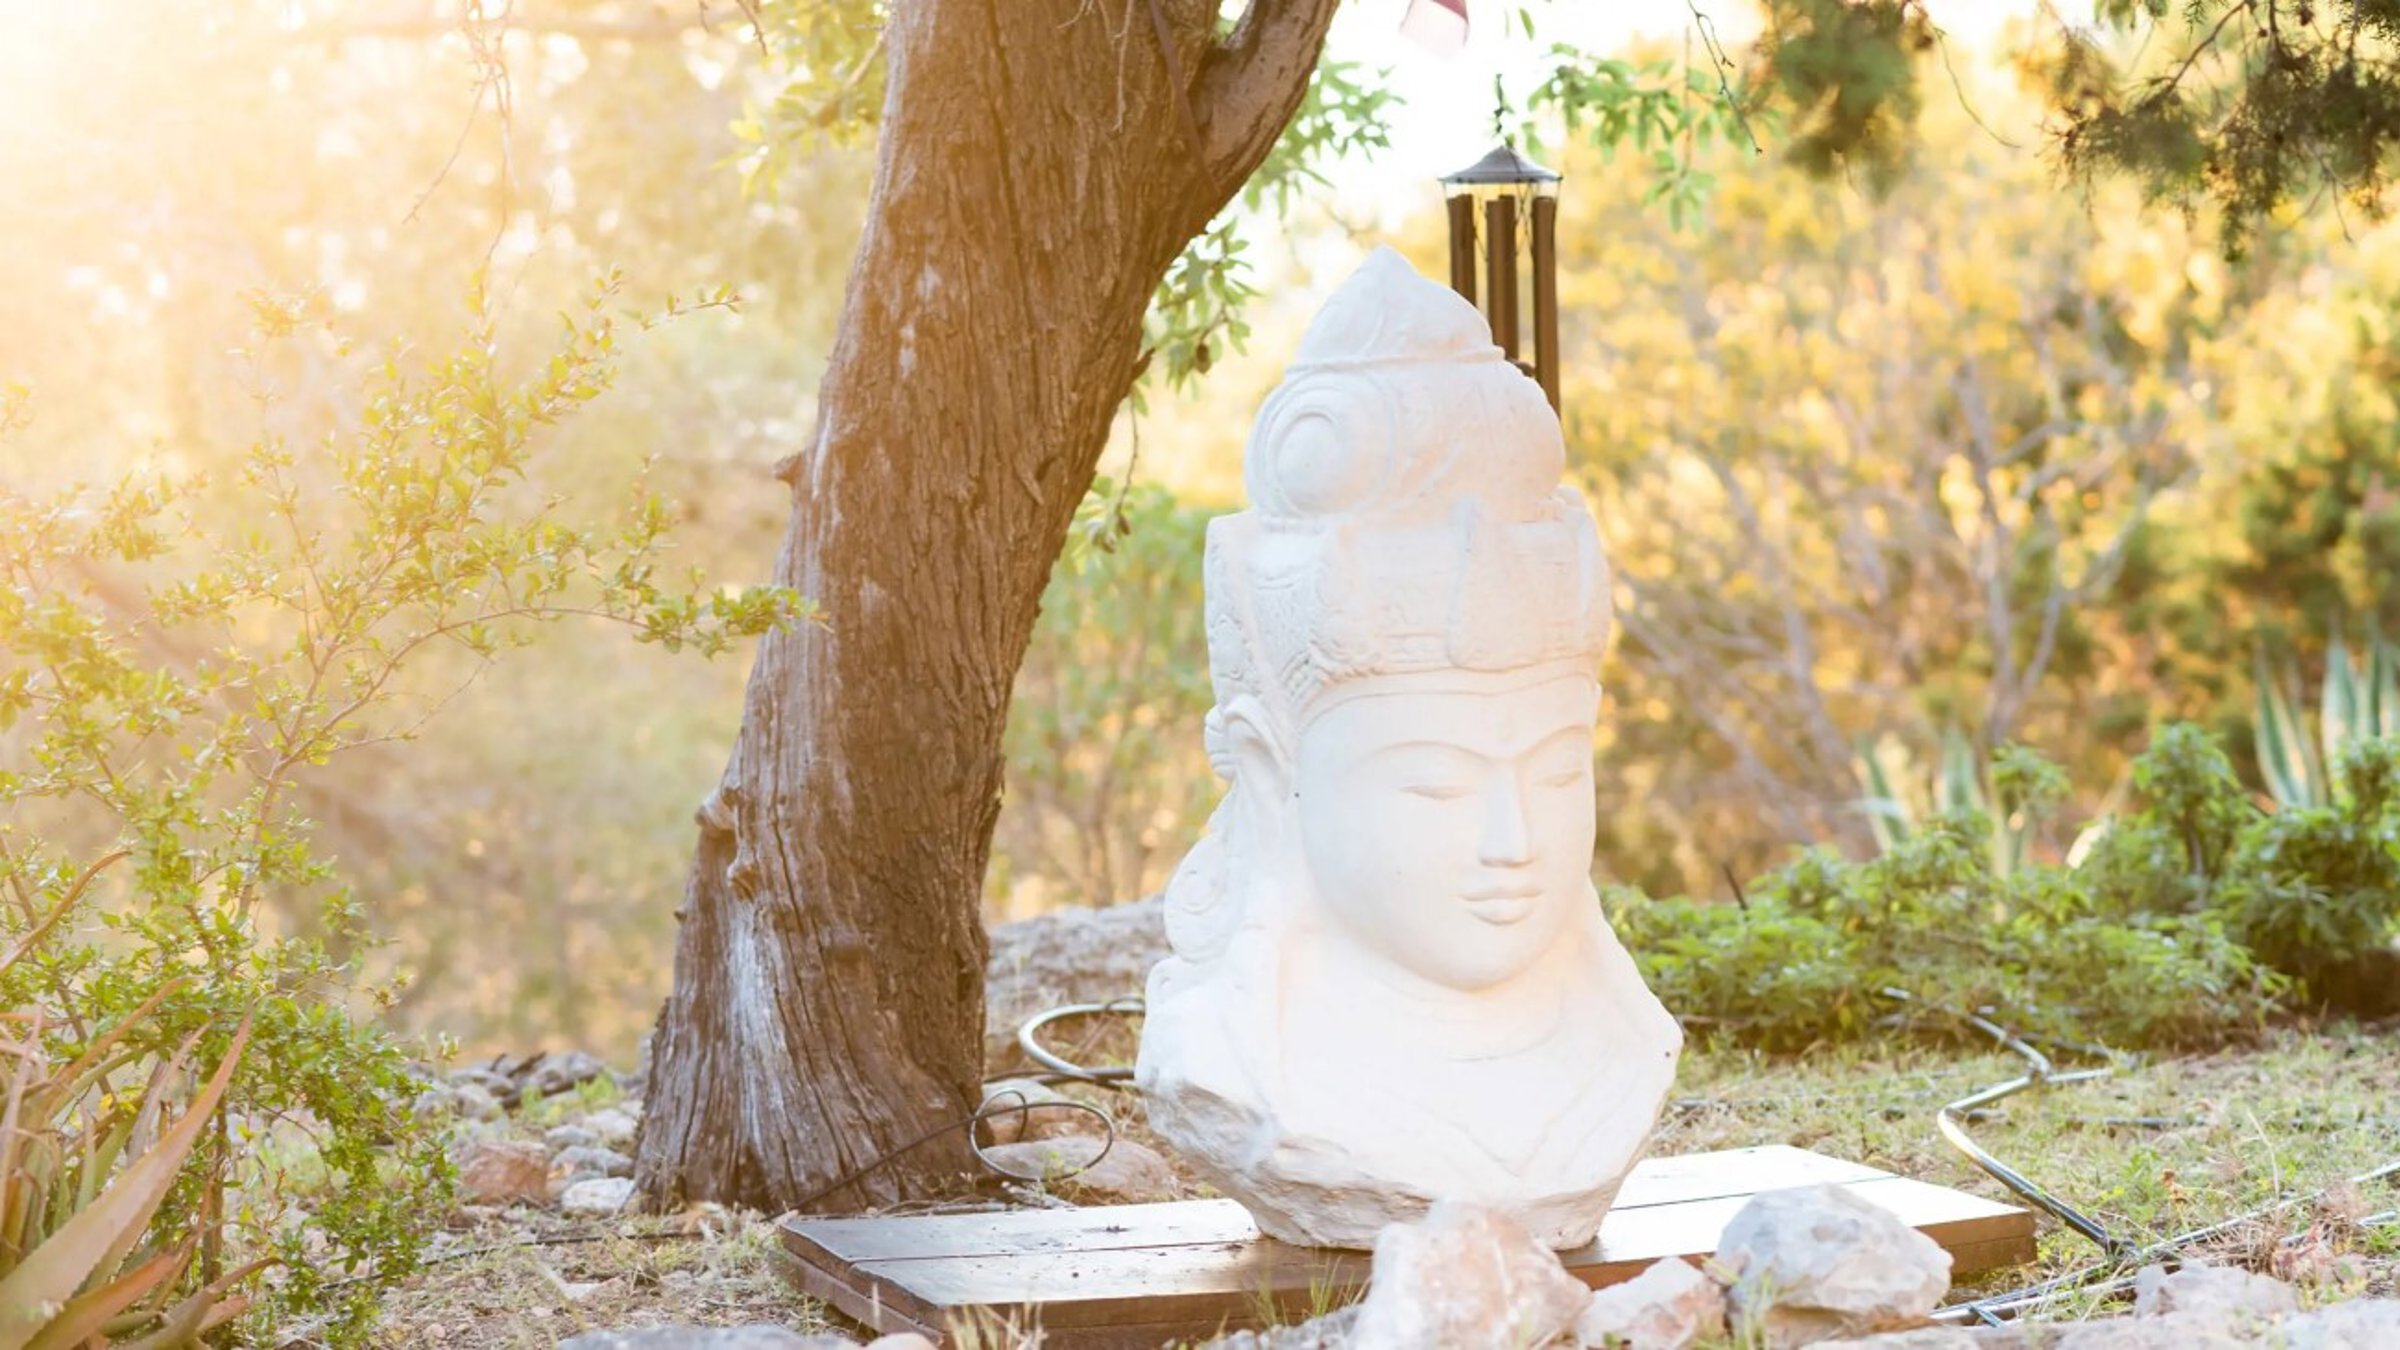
{"x": 517, "y": 1290}
{"x": 2160, "y": 1147}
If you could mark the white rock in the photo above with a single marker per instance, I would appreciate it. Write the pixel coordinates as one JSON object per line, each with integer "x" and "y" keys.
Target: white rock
{"x": 614, "y": 1125}
{"x": 2019, "y": 1337}
{"x": 2366, "y": 1324}
{"x": 597, "y": 1195}
{"x": 2223, "y": 1291}
{"x": 1818, "y": 1262}
{"x": 901, "y": 1340}
{"x": 1465, "y": 1278}
{"x": 1392, "y": 982}
{"x": 1128, "y": 1172}
{"x": 590, "y": 1161}
{"x": 2166, "y": 1331}
{"x": 1667, "y": 1307}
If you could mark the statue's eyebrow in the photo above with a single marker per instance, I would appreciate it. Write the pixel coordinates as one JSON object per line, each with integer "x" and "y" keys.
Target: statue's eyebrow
{"x": 1425, "y": 745}
{"x": 1575, "y": 730}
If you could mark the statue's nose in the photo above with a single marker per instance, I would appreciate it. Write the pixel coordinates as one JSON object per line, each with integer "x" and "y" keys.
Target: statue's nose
{"x": 1507, "y": 841}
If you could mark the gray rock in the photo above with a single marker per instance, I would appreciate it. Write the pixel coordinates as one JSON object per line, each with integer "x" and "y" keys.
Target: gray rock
{"x": 615, "y": 1126}
{"x": 2023, "y": 1337}
{"x": 1670, "y": 1306}
{"x": 757, "y": 1336}
{"x": 2165, "y": 1331}
{"x": 1818, "y": 1262}
{"x": 464, "y": 1100}
{"x": 1465, "y": 1278}
{"x": 2366, "y": 1324}
{"x": 1071, "y": 955}
{"x": 503, "y": 1172}
{"x": 560, "y": 1071}
{"x": 1330, "y": 1332}
{"x": 591, "y": 1161}
{"x": 2222, "y": 1291}
{"x": 1020, "y": 1108}
{"x": 499, "y": 1086}
{"x": 1128, "y": 1172}
{"x": 902, "y": 1340}
{"x": 570, "y": 1136}
{"x": 600, "y": 1196}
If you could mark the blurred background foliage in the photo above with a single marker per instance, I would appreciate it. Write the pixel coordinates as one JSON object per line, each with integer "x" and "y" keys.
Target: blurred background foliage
{"x": 1891, "y": 453}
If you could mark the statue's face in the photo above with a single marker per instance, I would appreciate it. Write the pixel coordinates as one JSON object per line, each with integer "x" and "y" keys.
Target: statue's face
{"x": 1447, "y": 821}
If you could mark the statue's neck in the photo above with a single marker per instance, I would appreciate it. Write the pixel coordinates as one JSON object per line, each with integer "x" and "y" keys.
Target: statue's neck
{"x": 1383, "y": 1000}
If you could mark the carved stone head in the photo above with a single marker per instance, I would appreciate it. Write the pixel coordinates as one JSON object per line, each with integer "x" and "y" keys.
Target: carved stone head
{"x": 1394, "y": 905}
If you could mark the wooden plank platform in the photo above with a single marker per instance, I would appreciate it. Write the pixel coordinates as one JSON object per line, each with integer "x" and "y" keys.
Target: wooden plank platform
{"x": 1122, "y": 1277}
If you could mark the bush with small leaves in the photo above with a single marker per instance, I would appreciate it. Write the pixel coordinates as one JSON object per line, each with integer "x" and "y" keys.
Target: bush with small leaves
{"x": 164, "y": 684}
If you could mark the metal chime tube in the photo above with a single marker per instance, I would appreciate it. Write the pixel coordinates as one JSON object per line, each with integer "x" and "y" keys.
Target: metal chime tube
{"x": 1500, "y": 257}
{"x": 1545, "y": 295}
{"x": 1462, "y": 245}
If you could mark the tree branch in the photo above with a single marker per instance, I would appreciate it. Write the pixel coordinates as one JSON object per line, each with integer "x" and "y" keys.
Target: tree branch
{"x": 1251, "y": 84}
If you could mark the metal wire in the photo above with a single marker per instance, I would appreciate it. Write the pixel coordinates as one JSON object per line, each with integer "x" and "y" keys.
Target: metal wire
{"x": 1107, "y": 1075}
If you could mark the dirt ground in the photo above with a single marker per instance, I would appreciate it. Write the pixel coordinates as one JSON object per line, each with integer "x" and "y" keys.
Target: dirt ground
{"x": 2159, "y": 1147}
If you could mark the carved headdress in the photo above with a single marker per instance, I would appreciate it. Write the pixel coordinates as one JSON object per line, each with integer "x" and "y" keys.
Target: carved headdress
{"x": 1407, "y": 517}
{"x": 1358, "y": 468}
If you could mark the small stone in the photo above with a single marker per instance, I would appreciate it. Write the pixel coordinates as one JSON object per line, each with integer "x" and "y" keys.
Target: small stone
{"x": 1128, "y": 1172}
{"x": 757, "y": 1336}
{"x": 2365, "y": 1324}
{"x": 615, "y": 1126}
{"x": 471, "y": 1101}
{"x": 2223, "y": 1291}
{"x": 591, "y": 1161}
{"x": 901, "y": 1340}
{"x": 1465, "y": 1278}
{"x": 500, "y": 1087}
{"x": 597, "y": 1196}
{"x": 1667, "y": 1307}
{"x": 1020, "y": 1108}
{"x": 570, "y": 1136}
{"x": 1819, "y": 1262}
{"x": 2015, "y": 1337}
{"x": 503, "y": 1171}
{"x": 560, "y": 1071}
{"x": 2166, "y": 1331}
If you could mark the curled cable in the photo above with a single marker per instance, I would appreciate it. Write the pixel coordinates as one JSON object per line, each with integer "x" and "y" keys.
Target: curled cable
{"x": 1023, "y": 1110}
{"x": 1108, "y": 1075}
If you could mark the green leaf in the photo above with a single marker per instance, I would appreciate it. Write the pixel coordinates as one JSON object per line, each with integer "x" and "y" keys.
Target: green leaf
{"x": 98, "y": 1237}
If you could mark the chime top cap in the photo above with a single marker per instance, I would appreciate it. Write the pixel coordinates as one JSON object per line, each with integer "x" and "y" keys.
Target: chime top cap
{"x": 1503, "y": 167}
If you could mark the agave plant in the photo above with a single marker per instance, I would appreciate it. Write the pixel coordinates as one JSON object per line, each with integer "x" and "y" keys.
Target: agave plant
{"x": 2014, "y": 789}
{"x": 2360, "y": 701}
{"x": 82, "y": 1172}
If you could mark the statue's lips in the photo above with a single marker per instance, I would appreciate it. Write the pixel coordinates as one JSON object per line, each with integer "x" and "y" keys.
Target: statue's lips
{"x": 1503, "y": 907}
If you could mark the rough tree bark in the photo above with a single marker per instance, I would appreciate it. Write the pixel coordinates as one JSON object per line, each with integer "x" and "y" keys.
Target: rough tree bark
{"x": 1040, "y": 164}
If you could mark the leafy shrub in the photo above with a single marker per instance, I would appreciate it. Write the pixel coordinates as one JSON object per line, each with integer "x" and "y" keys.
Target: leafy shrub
{"x": 2194, "y": 916}
{"x": 165, "y": 682}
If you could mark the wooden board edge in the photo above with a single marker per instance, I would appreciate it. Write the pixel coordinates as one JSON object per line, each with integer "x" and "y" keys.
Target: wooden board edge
{"x": 882, "y": 1308}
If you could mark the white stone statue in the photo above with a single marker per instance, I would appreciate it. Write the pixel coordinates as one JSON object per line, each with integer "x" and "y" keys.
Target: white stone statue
{"x": 1392, "y": 982}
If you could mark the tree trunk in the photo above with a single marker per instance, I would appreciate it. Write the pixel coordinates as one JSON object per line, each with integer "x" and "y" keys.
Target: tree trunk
{"x": 1039, "y": 168}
